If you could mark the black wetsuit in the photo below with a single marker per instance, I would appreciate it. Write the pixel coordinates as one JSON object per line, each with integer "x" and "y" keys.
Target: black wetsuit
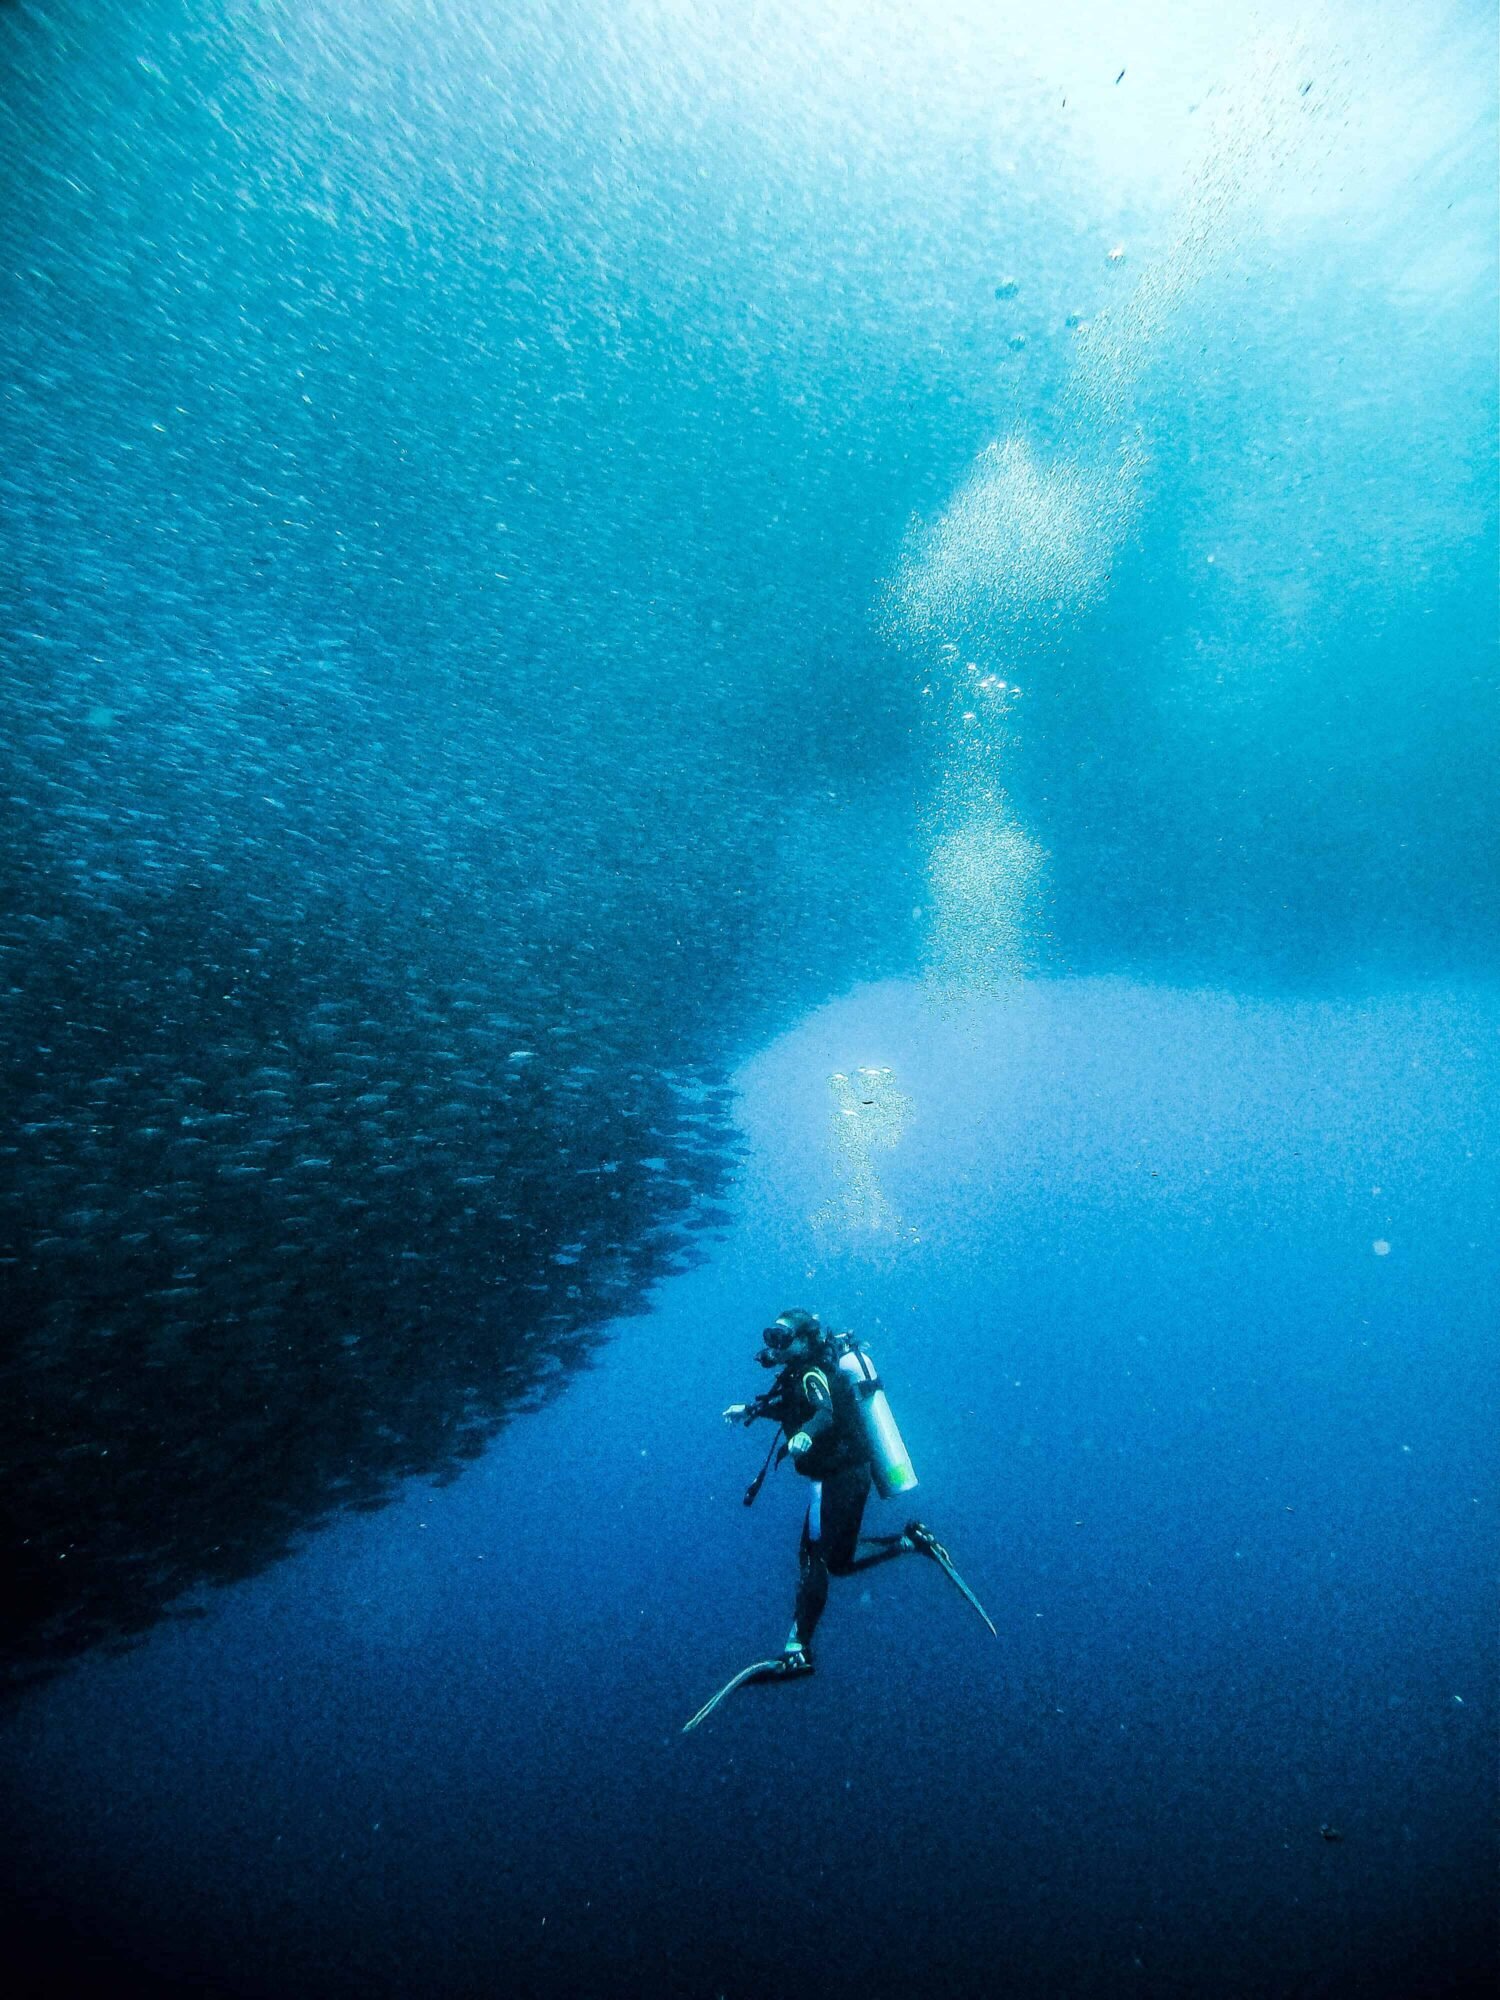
{"x": 814, "y": 1398}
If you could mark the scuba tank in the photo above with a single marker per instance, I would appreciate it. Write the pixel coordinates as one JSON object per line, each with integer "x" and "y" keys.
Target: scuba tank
{"x": 890, "y": 1462}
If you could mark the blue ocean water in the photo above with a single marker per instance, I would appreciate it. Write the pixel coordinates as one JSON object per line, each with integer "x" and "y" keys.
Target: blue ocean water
{"x": 662, "y": 662}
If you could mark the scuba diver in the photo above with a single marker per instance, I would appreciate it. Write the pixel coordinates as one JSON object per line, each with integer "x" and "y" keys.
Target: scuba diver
{"x": 835, "y": 1425}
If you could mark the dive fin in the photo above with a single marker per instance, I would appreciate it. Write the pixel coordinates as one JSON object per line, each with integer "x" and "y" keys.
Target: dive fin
{"x": 929, "y": 1544}
{"x": 762, "y": 1670}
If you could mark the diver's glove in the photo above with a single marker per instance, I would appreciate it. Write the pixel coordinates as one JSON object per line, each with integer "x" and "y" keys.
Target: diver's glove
{"x": 799, "y": 1445}
{"x": 737, "y": 1413}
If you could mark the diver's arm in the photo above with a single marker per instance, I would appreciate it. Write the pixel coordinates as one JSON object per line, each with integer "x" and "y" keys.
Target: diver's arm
{"x": 820, "y": 1418}
{"x": 768, "y": 1405}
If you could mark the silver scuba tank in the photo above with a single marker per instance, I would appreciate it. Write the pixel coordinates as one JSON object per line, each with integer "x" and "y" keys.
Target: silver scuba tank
{"x": 890, "y": 1462}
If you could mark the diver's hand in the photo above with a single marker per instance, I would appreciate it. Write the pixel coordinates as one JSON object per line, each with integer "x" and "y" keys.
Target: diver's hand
{"x": 736, "y": 1413}
{"x": 799, "y": 1445}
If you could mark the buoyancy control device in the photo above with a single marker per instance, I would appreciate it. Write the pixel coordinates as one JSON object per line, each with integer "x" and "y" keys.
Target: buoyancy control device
{"x": 890, "y": 1461}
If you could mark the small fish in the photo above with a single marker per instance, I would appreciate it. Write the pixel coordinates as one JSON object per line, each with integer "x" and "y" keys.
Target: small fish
{"x": 1121, "y": 77}
{"x": 1331, "y": 1833}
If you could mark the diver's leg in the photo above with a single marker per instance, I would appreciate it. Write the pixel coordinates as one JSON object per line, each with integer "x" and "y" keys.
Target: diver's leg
{"x": 891, "y": 1547}
{"x": 913, "y": 1540}
{"x": 844, "y": 1498}
{"x": 812, "y": 1578}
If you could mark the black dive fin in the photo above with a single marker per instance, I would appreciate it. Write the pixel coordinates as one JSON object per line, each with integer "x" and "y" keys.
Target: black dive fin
{"x": 762, "y": 1670}
{"x": 931, "y": 1546}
